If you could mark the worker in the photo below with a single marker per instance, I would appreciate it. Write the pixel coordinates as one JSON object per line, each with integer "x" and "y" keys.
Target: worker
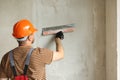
{"x": 24, "y": 32}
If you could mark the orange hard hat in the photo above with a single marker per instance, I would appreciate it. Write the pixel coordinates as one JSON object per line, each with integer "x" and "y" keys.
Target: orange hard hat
{"x": 23, "y": 28}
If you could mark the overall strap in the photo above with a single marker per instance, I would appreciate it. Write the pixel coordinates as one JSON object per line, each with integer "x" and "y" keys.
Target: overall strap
{"x": 26, "y": 62}
{"x": 12, "y": 63}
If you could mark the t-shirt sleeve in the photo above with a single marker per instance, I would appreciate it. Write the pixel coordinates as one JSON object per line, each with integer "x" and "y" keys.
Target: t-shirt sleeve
{"x": 46, "y": 55}
{"x": 2, "y": 71}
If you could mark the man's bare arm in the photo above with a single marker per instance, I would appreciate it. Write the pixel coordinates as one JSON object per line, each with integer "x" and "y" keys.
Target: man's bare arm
{"x": 59, "y": 53}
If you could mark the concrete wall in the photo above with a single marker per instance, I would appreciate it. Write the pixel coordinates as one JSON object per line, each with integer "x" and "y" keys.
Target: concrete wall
{"x": 111, "y": 40}
{"x": 84, "y": 48}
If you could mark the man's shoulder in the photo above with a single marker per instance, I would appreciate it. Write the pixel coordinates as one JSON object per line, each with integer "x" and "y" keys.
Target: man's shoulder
{"x": 6, "y": 55}
{"x": 42, "y": 49}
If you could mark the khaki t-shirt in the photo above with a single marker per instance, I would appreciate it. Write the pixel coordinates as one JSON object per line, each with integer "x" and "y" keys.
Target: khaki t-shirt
{"x": 38, "y": 60}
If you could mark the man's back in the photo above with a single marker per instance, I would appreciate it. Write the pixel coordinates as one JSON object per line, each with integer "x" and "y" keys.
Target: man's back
{"x": 36, "y": 70}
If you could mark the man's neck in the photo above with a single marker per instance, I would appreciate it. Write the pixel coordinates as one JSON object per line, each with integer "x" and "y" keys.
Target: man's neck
{"x": 25, "y": 44}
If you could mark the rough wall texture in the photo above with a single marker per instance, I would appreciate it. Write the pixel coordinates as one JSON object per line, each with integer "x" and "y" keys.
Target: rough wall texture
{"x": 84, "y": 48}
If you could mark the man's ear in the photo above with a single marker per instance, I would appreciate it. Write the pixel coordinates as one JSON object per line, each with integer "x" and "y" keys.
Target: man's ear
{"x": 30, "y": 37}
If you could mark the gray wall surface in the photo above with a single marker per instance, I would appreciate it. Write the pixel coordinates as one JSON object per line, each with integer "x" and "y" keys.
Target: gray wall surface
{"x": 84, "y": 48}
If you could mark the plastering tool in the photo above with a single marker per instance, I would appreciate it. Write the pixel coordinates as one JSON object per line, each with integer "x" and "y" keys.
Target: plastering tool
{"x": 55, "y": 29}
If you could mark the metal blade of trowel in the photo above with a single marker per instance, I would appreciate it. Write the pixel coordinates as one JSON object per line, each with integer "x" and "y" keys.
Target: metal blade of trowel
{"x": 55, "y": 29}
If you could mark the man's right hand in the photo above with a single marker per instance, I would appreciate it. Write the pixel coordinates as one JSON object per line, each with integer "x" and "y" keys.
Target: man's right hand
{"x": 60, "y": 35}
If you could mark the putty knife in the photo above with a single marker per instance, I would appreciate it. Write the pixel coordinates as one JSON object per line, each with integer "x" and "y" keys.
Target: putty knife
{"x": 55, "y": 29}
